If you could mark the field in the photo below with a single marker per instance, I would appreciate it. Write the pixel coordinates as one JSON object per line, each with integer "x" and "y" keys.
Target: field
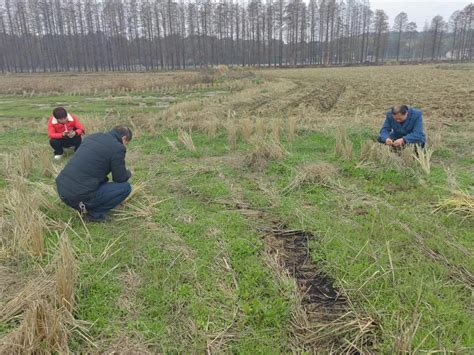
{"x": 264, "y": 219}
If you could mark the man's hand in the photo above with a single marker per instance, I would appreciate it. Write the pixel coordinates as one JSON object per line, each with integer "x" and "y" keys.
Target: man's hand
{"x": 388, "y": 141}
{"x": 71, "y": 134}
{"x": 66, "y": 134}
{"x": 399, "y": 142}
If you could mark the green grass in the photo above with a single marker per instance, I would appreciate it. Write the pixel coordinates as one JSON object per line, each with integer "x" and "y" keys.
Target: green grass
{"x": 195, "y": 269}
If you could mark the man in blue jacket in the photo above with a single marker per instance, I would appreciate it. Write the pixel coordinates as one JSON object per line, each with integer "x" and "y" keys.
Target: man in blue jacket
{"x": 83, "y": 183}
{"x": 403, "y": 125}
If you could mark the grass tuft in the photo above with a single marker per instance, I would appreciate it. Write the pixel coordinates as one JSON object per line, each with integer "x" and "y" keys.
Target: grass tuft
{"x": 423, "y": 157}
{"x": 186, "y": 140}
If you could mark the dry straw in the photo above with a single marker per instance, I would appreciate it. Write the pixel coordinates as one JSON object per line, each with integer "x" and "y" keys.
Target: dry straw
{"x": 94, "y": 124}
{"x": 65, "y": 274}
{"x": 172, "y": 144}
{"x": 423, "y": 157}
{"x": 260, "y": 127}
{"x": 42, "y": 331}
{"x": 231, "y": 128}
{"x": 186, "y": 140}
{"x": 276, "y": 129}
{"x": 139, "y": 204}
{"x": 35, "y": 289}
{"x": 315, "y": 174}
{"x": 27, "y": 222}
{"x": 460, "y": 202}
{"x": 26, "y": 162}
{"x": 138, "y": 189}
{"x": 383, "y": 155}
{"x": 246, "y": 129}
{"x": 343, "y": 144}
{"x": 45, "y": 163}
{"x": 291, "y": 128}
{"x": 210, "y": 127}
{"x": 264, "y": 151}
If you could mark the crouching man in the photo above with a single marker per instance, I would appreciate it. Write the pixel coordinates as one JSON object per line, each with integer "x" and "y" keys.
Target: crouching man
{"x": 403, "y": 125}
{"x": 83, "y": 183}
{"x": 64, "y": 131}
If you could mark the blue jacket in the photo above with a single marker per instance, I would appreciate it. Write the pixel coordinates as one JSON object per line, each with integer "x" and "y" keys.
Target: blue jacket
{"x": 411, "y": 130}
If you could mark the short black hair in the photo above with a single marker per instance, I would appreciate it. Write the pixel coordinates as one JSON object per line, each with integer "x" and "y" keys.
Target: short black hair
{"x": 402, "y": 109}
{"x": 59, "y": 112}
{"x": 124, "y": 131}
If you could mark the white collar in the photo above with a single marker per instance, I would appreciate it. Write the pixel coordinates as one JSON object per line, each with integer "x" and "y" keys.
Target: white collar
{"x": 69, "y": 118}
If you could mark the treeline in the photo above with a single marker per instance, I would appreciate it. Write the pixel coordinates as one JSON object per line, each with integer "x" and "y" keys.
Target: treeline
{"x": 123, "y": 35}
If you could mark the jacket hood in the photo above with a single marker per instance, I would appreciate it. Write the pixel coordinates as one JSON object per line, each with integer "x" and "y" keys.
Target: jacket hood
{"x": 117, "y": 136}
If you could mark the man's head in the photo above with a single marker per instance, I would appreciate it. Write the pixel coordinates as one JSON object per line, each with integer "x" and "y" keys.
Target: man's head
{"x": 60, "y": 114}
{"x": 125, "y": 133}
{"x": 400, "y": 113}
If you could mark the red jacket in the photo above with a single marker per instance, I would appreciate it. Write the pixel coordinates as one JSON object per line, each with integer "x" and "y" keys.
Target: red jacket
{"x": 56, "y": 129}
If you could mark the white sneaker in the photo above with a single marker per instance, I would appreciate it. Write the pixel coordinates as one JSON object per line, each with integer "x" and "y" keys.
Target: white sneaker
{"x": 58, "y": 157}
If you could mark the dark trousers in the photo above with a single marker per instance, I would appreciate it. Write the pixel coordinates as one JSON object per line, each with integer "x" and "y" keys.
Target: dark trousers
{"x": 59, "y": 144}
{"x": 109, "y": 195}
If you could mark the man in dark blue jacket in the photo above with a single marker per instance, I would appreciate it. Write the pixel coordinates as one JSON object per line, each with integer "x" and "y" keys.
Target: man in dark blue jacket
{"x": 83, "y": 183}
{"x": 403, "y": 125}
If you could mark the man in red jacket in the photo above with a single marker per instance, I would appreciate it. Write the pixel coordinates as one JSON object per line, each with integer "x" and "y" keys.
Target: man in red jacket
{"x": 64, "y": 131}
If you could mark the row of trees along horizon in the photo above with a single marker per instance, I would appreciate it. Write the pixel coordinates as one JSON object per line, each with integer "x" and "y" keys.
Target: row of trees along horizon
{"x": 126, "y": 35}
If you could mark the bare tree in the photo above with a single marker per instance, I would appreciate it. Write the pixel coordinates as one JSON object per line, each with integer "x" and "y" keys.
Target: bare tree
{"x": 412, "y": 33}
{"x": 380, "y": 29}
{"x": 80, "y": 35}
{"x": 400, "y": 25}
{"x": 437, "y": 27}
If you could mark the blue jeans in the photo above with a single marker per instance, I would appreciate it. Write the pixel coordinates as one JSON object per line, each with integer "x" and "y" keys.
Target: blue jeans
{"x": 108, "y": 196}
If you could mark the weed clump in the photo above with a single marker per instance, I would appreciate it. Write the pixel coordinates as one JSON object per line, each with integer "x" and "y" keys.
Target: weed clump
{"x": 264, "y": 151}
{"x": 318, "y": 173}
{"x": 343, "y": 145}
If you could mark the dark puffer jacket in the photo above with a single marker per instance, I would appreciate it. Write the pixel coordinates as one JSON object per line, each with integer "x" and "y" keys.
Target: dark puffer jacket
{"x": 98, "y": 155}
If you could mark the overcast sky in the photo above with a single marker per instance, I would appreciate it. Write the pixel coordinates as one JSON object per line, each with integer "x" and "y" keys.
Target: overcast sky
{"x": 419, "y": 10}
